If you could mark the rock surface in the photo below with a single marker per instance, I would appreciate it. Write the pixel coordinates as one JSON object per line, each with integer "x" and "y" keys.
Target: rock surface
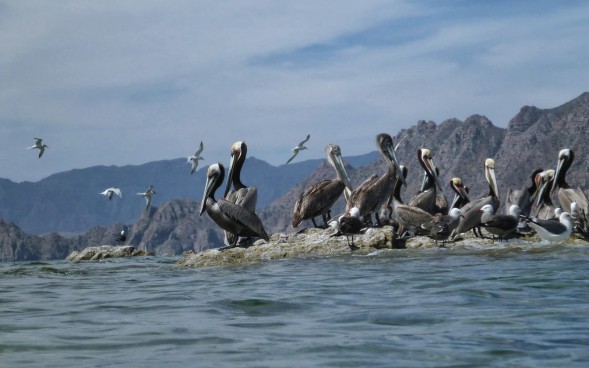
{"x": 321, "y": 243}
{"x": 106, "y": 251}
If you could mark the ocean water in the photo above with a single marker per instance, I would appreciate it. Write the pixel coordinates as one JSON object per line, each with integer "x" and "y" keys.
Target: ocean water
{"x": 505, "y": 306}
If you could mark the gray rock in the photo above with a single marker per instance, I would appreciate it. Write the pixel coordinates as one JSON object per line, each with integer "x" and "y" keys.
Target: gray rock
{"x": 322, "y": 243}
{"x": 106, "y": 251}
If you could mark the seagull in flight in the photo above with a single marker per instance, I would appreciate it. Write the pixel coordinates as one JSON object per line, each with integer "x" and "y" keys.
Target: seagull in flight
{"x": 110, "y": 191}
{"x": 40, "y": 146}
{"x": 147, "y": 194}
{"x": 194, "y": 158}
{"x": 299, "y": 147}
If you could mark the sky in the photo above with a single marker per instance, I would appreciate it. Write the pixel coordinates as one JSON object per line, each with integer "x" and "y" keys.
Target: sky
{"x": 127, "y": 82}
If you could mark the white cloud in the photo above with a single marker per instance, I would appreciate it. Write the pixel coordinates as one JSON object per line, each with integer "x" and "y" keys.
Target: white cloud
{"x": 142, "y": 80}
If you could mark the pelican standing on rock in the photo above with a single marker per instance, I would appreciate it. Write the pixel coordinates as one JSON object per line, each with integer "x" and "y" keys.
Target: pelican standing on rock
{"x": 194, "y": 158}
{"x": 229, "y": 216}
{"x": 408, "y": 217}
{"x": 428, "y": 197}
{"x": 471, "y": 216}
{"x": 147, "y": 194}
{"x": 567, "y": 195}
{"x": 460, "y": 193}
{"x": 40, "y": 146}
{"x": 543, "y": 207}
{"x": 241, "y": 195}
{"x": 524, "y": 197}
{"x": 318, "y": 199}
{"x": 299, "y": 147}
{"x": 110, "y": 191}
{"x": 376, "y": 191}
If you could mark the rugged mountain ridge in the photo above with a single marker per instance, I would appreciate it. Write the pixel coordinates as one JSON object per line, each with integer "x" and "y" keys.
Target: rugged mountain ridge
{"x": 532, "y": 139}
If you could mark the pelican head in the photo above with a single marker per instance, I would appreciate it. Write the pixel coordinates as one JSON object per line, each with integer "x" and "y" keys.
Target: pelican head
{"x": 565, "y": 159}
{"x": 384, "y": 143}
{"x": 543, "y": 181}
{"x": 426, "y": 160}
{"x": 215, "y": 176}
{"x": 238, "y": 153}
{"x": 490, "y": 175}
{"x": 334, "y": 157}
{"x": 460, "y": 189}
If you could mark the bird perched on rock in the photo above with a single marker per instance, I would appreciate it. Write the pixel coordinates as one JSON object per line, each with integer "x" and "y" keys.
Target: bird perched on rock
{"x": 554, "y": 231}
{"x": 350, "y": 224}
{"x": 498, "y": 224}
{"x": 122, "y": 237}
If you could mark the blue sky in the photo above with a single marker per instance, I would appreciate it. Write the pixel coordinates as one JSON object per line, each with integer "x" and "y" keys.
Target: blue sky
{"x": 128, "y": 82}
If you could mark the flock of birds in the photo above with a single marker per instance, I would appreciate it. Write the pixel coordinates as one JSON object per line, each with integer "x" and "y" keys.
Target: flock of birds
{"x": 377, "y": 200}
{"x": 241, "y": 202}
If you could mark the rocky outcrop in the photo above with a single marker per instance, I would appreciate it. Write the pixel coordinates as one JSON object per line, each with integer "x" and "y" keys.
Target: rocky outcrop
{"x": 322, "y": 243}
{"x": 106, "y": 251}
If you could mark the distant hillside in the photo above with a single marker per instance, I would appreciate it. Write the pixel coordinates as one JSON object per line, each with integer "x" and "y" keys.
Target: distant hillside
{"x": 69, "y": 202}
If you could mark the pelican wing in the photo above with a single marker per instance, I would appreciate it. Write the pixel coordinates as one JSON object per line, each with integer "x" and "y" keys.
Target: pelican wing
{"x": 245, "y": 197}
{"x": 317, "y": 200}
{"x": 248, "y": 220}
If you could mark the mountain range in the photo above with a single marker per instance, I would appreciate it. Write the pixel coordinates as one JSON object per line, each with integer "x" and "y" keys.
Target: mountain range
{"x": 68, "y": 202}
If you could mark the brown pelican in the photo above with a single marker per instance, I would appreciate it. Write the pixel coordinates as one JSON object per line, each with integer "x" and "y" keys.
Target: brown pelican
{"x": 230, "y": 217}
{"x": 427, "y": 198}
{"x": 376, "y": 191}
{"x": 299, "y": 147}
{"x": 147, "y": 194}
{"x": 318, "y": 199}
{"x": 568, "y": 195}
{"x": 523, "y": 198}
{"x": 108, "y": 193}
{"x": 40, "y": 146}
{"x": 555, "y": 231}
{"x": 409, "y": 217}
{"x": 241, "y": 195}
{"x": 471, "y": 216}
{"x": 194, "y": 158}
{"x": 501, "y": 225}
{"x": 460, "y": 193}
{"x": 543, "y": 208}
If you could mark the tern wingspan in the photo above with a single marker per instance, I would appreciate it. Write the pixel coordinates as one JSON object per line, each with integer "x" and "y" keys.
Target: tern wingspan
{"x": 296, "y": 152}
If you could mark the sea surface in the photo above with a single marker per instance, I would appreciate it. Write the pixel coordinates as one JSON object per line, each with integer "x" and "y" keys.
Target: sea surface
{"x": 507, "y": 306}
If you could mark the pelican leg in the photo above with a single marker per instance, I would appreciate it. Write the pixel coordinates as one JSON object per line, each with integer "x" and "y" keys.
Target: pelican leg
{"x": 314, "y": 223}
{"x": 351, "y": 245}
{"x": 326, "y": 217}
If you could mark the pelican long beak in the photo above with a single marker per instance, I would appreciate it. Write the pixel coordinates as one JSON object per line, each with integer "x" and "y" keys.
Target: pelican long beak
{"x": 207, "y": 192}
{"x": 557, "y": 174}
{"x": 232, "y": 164}
{"x": 393, "y": 156}
{"x": 492, "y": 181}
{"x": 431, "y": 167}
{"x": 340, "y": 170}
{"x": 541, "y": 188}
